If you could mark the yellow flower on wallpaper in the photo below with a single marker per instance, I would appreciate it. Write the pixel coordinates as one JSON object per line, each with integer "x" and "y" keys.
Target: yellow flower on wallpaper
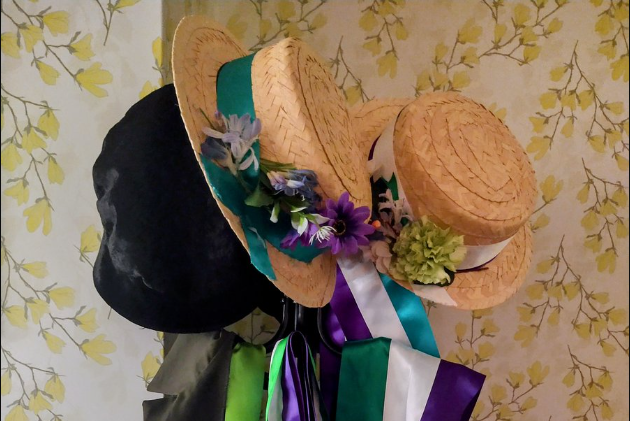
{"x": 286, "y": 9}
{"x": 56, "y": 22}
{"x": 48, "y": 73}
{"x": 388, "y": 64}
{"x": 95, "y": 348}
{"x": 522, "y": 14}
{"x": 120, "y": 4}
{"x": 16, "y": 315}
{"x": 36, "y": 269}
{"x": 32, "y": 141}
{"x": 531, "y": 53}
{"x": 541, "y": 222}
{"x": 54, "y": 343}
{"x": 17, "y": 413}
{"x": 9, "y": 44}
{"x": 38, "y": 308}
{"x": 236, "y": 26}
{"x": 87, "y": 321}
{"x": 147, "y": 88}
{"x": 10, "y": 157}
{"x": 539, "y": 146}
{"x": 368, "y": 20}
{"x": 82, "y": 49}
{"x": 55, "y": 173}
{"x": 5, "y": 383}
{"x": 90, "y": 240}
{"x": 38, "y": 403}
{"x": 19, "y": 191}
{"x": 55, "y": 388}
{"x": 62, "y": 297}
{"x": 620, "y": 68}
{"x": 150, "y": 366}
{"x": 37, "y": 214}
{"x": 31, "y": 35}
{"x": 49, "y": 124}
{"x": 157, "y": 49}
{"x": 353, "y": 94}
{"x": 91, "y": 78}
{"x": 469, "y": 33}
{"x": 550, "y": 188}
{"x": 460, "y": 80}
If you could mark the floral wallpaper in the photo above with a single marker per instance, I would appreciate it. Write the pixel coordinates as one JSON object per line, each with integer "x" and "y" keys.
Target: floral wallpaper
{"x": 69, "y": 72}
{"x": 555, "y": 71}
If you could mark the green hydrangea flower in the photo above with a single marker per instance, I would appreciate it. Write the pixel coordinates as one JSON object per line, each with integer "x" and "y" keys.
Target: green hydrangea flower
{"x": 424, "y": 252}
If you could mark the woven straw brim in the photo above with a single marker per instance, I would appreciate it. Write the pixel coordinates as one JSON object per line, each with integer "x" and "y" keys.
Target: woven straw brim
{"x": 461, "y": 166}
{"x": 305, "y": 122}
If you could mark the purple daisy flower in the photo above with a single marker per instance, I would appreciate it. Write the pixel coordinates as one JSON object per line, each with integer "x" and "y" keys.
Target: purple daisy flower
{"x": 349, "y": 225}
{"x": 291, "y": 240}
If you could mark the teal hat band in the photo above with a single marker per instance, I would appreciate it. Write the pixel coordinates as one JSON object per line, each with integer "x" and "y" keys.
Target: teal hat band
{"x": 234, "y": 97}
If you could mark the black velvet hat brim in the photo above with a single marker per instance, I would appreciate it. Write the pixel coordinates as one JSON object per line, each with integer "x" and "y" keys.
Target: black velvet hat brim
{"x": 168, "y": 260}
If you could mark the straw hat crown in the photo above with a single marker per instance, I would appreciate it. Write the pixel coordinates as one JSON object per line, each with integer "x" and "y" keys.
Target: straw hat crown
{"x": 461, "y": 166}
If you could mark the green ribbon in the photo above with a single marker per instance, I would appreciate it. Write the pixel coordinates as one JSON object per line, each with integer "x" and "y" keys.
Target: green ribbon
{"x": 274, "y": 395}
{"x": 245, "y": 388}
{"x": 366, "y": 366}
{"x": 234, "y": 96}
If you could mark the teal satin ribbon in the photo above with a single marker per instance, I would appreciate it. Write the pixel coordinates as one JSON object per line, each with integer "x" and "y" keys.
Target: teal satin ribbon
{"x": 234, "y": 96}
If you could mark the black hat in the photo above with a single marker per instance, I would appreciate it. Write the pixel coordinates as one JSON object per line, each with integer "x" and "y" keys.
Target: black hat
{"x": 168, "y": 259}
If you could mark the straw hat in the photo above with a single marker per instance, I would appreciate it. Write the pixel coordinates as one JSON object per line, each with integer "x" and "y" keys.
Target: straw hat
{"x": 304, "y": 122}
{"x": 459, "y": 165}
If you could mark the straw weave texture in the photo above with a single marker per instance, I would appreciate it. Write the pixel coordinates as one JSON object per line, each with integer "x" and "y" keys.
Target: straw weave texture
{"x": 461, "y": 166}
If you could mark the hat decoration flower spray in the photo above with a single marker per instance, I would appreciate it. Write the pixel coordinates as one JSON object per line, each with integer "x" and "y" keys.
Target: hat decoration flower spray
{"x": 282, "y": 188}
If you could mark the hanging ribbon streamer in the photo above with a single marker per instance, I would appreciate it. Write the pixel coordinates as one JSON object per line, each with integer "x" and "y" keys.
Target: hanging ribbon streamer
{"x": 369, "y": 304}
{"x": 234, "y": 97}
{"x": 382, "y": 380}
{"x": 293, "y": 390}
{"x": 247, "y": 377}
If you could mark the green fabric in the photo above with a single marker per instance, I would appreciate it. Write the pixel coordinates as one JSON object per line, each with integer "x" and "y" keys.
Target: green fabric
{"x": 234, "y": 96}
{"x": 274, "y": 373}
{"x": 365, "y": 366}
{"x": 245, "y": 388}
{"x": 392, "y": 184}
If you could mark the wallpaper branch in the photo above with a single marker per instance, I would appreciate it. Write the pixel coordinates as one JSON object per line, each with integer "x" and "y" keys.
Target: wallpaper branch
{"x": 555, "y": 71}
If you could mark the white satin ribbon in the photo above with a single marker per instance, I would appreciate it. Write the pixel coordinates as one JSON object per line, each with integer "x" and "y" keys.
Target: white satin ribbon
{"x": 410, "y": 377}
{"x": 369, "y": 293}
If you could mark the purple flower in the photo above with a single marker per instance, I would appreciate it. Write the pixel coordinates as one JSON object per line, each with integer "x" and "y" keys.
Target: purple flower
{"x": 281, "y": 183}
{"x": 349, "y": 225}
{"x": 239, "y": 136}
{"x": 291, "y": 240}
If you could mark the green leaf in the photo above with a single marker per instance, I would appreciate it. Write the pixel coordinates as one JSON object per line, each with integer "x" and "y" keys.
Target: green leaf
{"x": 266, "y": 166}
{"x": 259, "y": 198}
{"x": 275, "y": 212}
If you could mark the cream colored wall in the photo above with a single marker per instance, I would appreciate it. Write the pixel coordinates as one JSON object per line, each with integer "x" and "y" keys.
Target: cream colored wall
{"x": 557, "y": 350}
{"x": 67, "y": 356}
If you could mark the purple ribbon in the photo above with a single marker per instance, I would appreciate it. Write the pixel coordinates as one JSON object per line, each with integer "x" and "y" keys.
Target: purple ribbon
{"x": 454, "y": 393}
{"x": 299, "y": 385}
{"x": 347, "y": 311}
{"x": 329, "y": 362}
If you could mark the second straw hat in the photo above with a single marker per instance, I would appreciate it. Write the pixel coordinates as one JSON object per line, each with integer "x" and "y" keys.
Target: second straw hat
{"x": 459, "y": 165}
{"x": 304, "y": 121}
